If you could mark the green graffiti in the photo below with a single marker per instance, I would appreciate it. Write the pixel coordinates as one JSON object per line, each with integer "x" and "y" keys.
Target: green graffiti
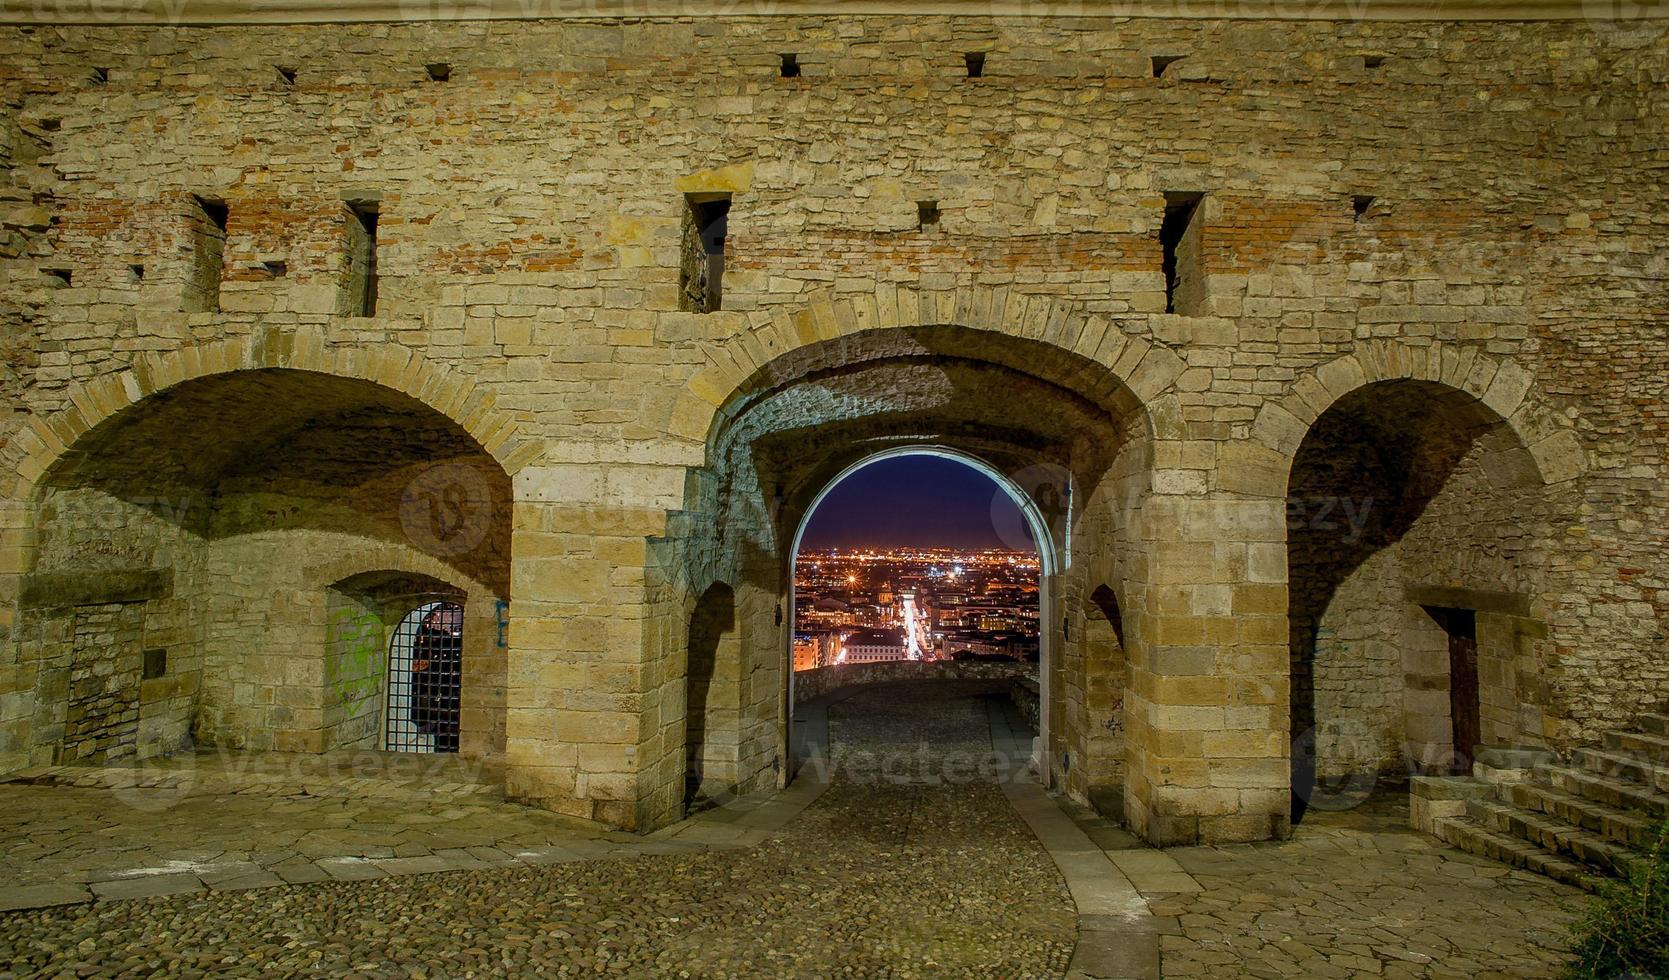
{"x": 357, "y": 639}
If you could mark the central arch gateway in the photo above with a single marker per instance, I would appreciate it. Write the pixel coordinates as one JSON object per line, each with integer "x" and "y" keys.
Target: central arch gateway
{"x": 1067, "y": 437}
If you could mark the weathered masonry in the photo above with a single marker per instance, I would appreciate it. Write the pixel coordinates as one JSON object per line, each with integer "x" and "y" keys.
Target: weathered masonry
{"x": 1334, "y": 353}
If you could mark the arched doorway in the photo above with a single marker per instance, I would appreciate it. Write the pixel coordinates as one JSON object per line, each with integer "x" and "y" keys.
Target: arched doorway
{"x": 1066, "y": 438}
{"x": 911, "y": 596}
{"x": 1413, "y": 588}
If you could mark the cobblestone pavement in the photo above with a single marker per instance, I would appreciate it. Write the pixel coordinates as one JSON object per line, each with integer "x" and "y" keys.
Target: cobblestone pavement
{"x": 911, "y": 863}
{"x": 874, "y": 879}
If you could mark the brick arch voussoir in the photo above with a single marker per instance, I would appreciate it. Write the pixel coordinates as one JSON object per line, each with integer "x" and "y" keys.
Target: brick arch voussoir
{"x": 1502, "y": 386}
{"x": 387, "y": 557}
{"x": 46, "y": 438}
{"x": 762, "y": 337}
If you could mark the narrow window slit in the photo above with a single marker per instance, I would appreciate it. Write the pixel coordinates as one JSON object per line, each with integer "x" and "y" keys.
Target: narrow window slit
{"x": 706, "y": 225}
{"x": 1179, "y": 239}
{"x": 360, "y": 283}
{"x": 975, "y": 61}
{"x": 208, "y": 226}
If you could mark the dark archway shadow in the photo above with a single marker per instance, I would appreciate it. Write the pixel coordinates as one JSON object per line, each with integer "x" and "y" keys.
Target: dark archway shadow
{"x": 1363, "y": 476}
{"x": 714, "y": 617}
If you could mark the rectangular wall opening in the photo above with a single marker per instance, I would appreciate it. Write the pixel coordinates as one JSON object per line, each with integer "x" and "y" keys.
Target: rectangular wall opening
{"x": 1359, "y": 204}
{"x": 789, "y": 66}
{"x": 359, "y": 279}
{"x": 1163, "y": 61}
{"x": 701, "y": 273}
{"x": 975, "y": 60}
{"x": 286, "y": 75}
{"x": 1466, "y": 726}
{"x": 927, "y": 215}
{"x": 440, "y": 71}
{"x": 208, "y": 255}
{"x": 1179, "y": 240}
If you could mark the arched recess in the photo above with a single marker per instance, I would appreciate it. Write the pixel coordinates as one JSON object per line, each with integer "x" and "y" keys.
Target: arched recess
{"x": 1408, "y": 497}
{"x": 793, "y": 400}
{"x": 185, "y": 496}
{"x": 364, "y": 614}
{"x": 711, "y": 704}
{"x": 1106, "y": 672}
{"x": 367, "y": 590}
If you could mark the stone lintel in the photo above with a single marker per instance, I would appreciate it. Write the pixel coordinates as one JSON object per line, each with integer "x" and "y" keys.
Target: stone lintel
{"x": 1452, "y": 598}
{"x": 90, "y": 588}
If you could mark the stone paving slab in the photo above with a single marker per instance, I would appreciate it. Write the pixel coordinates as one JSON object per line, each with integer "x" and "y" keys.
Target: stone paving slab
{"x": 42, "y": 896}
{"x": 1354, "y": 893}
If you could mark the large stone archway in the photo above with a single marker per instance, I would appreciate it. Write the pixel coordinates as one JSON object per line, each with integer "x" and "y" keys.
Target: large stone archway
{"x": 163, "y": 578}
{"x": 1422, "y": 503}
{"x": 793, "y": 400}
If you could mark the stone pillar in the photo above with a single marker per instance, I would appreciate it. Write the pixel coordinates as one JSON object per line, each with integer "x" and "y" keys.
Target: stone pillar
{"x": 579, "y": 715}
{"x": 1207, "y": 709}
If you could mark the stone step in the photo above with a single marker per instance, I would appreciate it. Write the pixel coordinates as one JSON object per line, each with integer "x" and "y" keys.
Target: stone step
{"x": 1627, "y": 828}
{"x": 1473, "y": 838}
{"x": 1621, "y": 765}
{"x": 1552, "y": 834}
{"x": 1643, "y": 745}
{"x": 1622, "y": 794}
{"x": 1657, "y": 724}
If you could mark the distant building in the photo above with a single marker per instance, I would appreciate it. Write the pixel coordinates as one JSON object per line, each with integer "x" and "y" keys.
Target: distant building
{"x": 874, "y": 646}
{"x": 806, "y": 648}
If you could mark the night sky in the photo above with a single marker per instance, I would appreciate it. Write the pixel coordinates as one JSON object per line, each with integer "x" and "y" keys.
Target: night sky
{"x": 924, "y": 501}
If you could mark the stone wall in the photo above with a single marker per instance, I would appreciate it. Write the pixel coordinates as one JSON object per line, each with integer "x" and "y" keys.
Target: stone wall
{"x": 1469, "y": 206}
{"x": 812, "y": 684}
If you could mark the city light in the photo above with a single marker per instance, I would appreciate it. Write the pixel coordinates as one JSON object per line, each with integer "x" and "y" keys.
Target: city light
{"x": 864, "y": 605}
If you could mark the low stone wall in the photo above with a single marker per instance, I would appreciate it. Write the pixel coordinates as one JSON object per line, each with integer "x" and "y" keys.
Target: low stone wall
{"x": 810, "y": 684}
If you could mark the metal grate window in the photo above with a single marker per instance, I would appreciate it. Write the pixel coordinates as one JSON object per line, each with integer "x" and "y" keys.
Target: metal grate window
{"x": 425, "y": 672}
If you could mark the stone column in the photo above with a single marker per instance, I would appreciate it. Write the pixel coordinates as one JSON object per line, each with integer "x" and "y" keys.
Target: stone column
{"x": 585, "y": 679}
{"x": 1207, "y": 710}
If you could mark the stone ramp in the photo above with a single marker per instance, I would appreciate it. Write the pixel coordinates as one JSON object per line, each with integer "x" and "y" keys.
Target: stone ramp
{"x": 1579, "y": 820}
